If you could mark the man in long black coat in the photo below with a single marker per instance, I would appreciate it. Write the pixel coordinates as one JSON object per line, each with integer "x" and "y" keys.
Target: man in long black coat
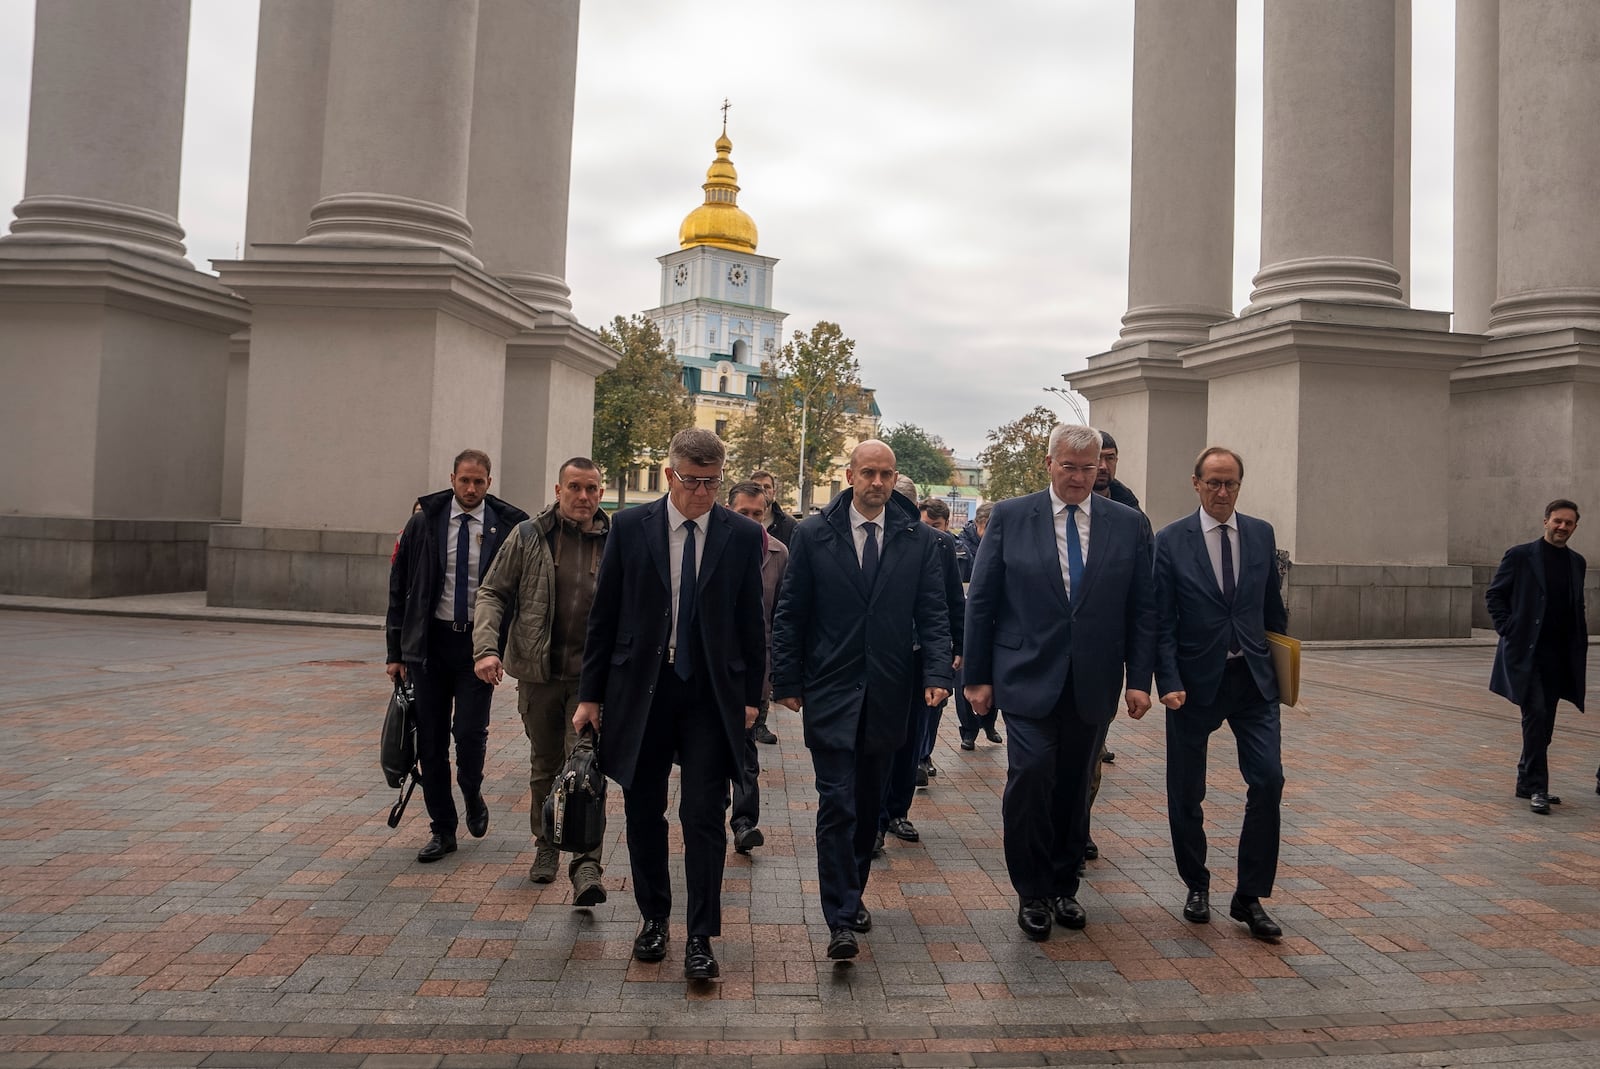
{"x": 1536, "y": 602}
{"x": 676, "y": 653}
{"x": 860, "y": 574}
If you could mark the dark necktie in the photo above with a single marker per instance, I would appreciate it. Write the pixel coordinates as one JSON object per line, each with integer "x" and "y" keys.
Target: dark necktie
{"x": 463, "y": 554}
{"x": 1074, "y": 555}
{"x": 683, "y": 662}
{"x": 869, "y": 554}
{"x": 1228, "y": 584}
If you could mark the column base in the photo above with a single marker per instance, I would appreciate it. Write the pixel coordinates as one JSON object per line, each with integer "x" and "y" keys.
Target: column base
{"x": 1156, "y": 410}
{"x": 76, "y": 557}
{"x": 1379, "y": 601}
{"x": 1521, "y": 435}
{"x": 549, "y": 403}
{"x": 251, "y": 567}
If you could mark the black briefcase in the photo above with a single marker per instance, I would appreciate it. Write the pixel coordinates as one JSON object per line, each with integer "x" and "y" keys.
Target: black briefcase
{"x": 397, "y": 747}
{"x": 575, "y": 813}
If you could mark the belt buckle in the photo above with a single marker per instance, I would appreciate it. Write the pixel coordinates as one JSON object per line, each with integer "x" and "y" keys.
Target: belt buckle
{"x": 460, "y": 627}
{"x": 672, "y": 655}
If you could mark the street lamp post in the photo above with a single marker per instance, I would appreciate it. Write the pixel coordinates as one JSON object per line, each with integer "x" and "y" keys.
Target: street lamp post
{"x": 1072, "y": 401}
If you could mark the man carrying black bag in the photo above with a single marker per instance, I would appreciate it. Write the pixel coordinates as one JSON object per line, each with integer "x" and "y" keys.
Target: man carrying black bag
{"x": 445, "y": 548}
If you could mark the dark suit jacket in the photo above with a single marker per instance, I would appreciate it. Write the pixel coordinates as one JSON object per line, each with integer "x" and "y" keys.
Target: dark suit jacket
{"x": 1196, "y": 624}
{"x": 1516, "y": 599}
{"x": 631, "y": 622}
{"x": 416, "y": 571}
{"x": 847, "y": 651}
{"x": 1023, "y": 637}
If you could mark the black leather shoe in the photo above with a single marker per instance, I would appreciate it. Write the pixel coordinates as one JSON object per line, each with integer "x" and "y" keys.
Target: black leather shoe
{"x": 920, "y": 776}
{"x": 1540, "y": 803}
{"x": 477, "y": 816}
{"x": 1252, "y": 915}
{"x": 1108, "y": 757}
{"x": 1033, "y": 917}
{"x": 765, "y": 736}
{"x": 437, "y": 847}
{"x": 747, "y": 839}
{"x": 1068, "y": 913}
{"x": 651, "y": 942}
{"x": 992, "y": 735}
{"x": 1197, "y": 908}
{"x": 904, "y": 830}
{"x": 1091, "y": 851}
{"x": 933, "y": 769}
{"x": 863, "y": 920}
{"x": 877, "y": 845}
{"x": 1553, "y": 799}
{"x": 698, "y": 961}
{"x": 971, "y": 744}
{"x": 842, "y": 944}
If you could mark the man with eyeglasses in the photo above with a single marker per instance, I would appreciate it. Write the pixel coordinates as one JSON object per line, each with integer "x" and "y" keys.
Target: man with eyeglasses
{"x": 1061, "y": 607}
{"x": 673, "y": 667}
{"x": 1217, "y": 596}
{"x": 861, "y": 575}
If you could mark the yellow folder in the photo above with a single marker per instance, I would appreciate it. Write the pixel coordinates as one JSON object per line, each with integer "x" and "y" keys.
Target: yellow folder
{"x": 1286, "y": 662}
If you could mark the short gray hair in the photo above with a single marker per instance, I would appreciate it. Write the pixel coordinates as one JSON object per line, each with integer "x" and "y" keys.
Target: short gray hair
{"x": 696, "y": 446}
{"x": 1075, "y": 438}
{"x": 905, "y": 485}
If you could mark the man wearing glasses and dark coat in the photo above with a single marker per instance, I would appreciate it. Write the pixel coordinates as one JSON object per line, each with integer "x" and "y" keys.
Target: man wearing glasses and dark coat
{"x": 673, "y": 665}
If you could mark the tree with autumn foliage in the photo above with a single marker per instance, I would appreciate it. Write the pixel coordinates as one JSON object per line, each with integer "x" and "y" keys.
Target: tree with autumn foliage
{"x": 639, "y": 404}
{"x": 1016, "y": 453}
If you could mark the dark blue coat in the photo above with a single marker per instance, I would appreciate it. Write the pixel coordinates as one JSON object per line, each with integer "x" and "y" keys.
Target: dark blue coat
{"x": 1516, "y": 600}
{"x": 630, "y": 624}
{"x": 1195, "y": 623}
{"x": 1023, "y": 637}
{"x": 847, "y": 651}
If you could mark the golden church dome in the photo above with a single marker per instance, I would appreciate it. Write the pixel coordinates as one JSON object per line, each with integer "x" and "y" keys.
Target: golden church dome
{"x": 720, "y": 221}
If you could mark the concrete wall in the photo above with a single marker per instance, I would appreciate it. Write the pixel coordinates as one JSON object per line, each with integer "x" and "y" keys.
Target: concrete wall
{"x": 316, "y": 571}
{"x": 88, "y": 558}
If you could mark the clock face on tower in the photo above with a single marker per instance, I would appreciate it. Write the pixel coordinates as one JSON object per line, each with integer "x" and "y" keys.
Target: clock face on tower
{"x": 737, "y": 275}
{"x": 681, "y": 275}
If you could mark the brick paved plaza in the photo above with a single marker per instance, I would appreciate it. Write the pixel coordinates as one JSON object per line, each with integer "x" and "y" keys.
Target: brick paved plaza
{"x": 195, "y": 870}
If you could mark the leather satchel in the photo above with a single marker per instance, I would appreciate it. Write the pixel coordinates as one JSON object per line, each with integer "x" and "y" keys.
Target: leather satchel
{"x": 397, "y": 747}
{"x": 574, "y": 815}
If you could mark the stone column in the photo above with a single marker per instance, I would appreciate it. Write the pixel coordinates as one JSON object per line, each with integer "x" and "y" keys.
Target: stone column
{"x": 126, "y": 411}
{"x": 378, "y": 329}
{"x": 517, "y": 195}
{"x": 398, "y": 126}
{"x": 1523, "y": 413}
{"x": 1328, "y": 219}
{"x": 1477, "y": 162}
{"x": 1332, "y": 390}
{"x": 1549, "y": 230}
{"x": 1180, "y": 248}
{"x": 105, "y": 125}
{"x": 286, "y": 131}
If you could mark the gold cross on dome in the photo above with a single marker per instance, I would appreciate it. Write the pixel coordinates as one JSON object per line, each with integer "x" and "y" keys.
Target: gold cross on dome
{"x": 725, "y": 107}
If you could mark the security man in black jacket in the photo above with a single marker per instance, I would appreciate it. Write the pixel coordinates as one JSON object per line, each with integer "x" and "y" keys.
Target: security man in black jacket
{"x": 445, "y": 548}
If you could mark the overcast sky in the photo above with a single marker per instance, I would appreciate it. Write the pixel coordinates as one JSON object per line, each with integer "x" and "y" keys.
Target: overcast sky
{"x": 947, "y": 181}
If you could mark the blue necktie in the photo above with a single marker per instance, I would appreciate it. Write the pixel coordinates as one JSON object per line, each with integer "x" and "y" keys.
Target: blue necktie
{"x": 683, "y": 659}
{"x": 1074, "y": 555}
{"x": 869, "y": 554}
{"x": 463, "y": 553}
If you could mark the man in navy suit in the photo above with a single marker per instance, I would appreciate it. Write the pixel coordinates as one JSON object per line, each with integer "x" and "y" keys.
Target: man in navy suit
{"x": 444, "y": 550}
{"x": 1061, "y": 604}
{"x": 1217, "y": 596}
{"x": 861, "y": 575}
{"x": 675, "y": 654}
{"x": 1536, "y": 602}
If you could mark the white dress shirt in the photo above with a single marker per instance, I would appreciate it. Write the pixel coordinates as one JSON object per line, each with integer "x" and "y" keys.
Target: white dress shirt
{"x": 676, "y": 535}
{"x": 446, "y": 609}
{"x": 858, "y": 531}
{"x": 1059, "y": 508}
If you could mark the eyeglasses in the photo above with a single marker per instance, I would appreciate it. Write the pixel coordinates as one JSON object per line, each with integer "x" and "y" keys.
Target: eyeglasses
{"x": 1216, "y": 486}
{"x": 691, "y": 483}
{"x": 1078, "y": 469}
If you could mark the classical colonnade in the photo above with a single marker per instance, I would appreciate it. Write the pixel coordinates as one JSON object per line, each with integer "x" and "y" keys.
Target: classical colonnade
{"x": 404, "y": 259}
{"x": 1398, "y": 457}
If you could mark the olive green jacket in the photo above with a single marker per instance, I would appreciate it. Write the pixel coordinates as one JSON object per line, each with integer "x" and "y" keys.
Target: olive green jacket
{"x": 522, "y": 581}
